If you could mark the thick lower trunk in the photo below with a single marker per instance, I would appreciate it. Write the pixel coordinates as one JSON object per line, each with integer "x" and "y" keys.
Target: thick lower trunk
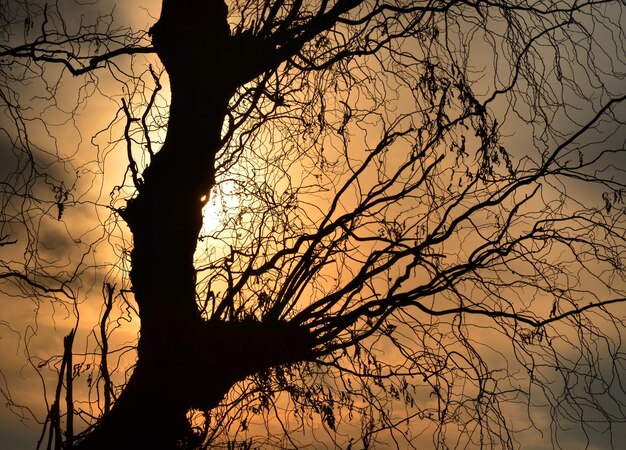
{"x": 196, "y": 371}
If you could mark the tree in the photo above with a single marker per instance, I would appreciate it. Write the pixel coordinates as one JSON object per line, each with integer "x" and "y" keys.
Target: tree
{"x": 421, "y": 219}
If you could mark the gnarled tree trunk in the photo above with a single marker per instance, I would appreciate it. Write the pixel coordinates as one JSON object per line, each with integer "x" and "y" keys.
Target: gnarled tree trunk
{"x": 184, "y": 361}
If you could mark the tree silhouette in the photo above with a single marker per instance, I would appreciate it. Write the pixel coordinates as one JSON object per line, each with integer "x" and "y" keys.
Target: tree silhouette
{"x": 419, "y": 220}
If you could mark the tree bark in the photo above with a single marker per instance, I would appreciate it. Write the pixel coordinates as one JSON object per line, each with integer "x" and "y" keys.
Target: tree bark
{"x": 183, "y": 361}
{"x": 195, "y": 370}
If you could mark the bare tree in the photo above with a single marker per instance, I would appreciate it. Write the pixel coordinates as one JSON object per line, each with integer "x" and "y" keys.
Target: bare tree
{"x": 341, "y": 223}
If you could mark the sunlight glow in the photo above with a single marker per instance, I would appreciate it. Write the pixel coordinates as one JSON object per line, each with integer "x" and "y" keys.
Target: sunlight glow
{"x": 223, "y": 203}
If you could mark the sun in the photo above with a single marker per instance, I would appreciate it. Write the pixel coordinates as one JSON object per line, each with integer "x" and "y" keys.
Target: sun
{"x": 223, "y": 203}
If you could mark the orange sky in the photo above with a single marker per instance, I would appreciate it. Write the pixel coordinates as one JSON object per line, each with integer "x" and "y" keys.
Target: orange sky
{"x": 44, "y": 324}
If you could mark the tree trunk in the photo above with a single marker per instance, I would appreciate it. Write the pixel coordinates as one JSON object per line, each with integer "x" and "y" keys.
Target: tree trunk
{"x": 195, "y": 369}
{"x": 184, "y": 361}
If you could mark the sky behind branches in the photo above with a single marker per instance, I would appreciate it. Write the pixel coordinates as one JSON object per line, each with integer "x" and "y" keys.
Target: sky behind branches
{"x": 75, "y": 132}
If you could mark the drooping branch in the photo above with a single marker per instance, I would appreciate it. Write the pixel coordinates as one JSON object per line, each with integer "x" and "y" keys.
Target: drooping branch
{"x": 39, "y": 286}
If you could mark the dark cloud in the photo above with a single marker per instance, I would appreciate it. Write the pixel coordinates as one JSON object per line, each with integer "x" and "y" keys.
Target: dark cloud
{"x": 8, "y": 159}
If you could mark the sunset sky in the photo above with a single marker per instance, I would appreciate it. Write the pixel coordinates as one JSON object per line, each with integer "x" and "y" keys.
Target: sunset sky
{"x": 313, "y": 165}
